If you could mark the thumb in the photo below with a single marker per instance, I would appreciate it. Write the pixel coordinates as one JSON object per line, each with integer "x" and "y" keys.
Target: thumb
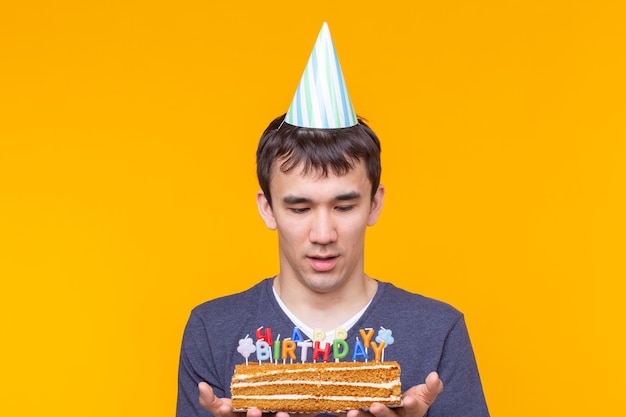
{"x": 431, "y": 389}
{"x": 208, "y": 400}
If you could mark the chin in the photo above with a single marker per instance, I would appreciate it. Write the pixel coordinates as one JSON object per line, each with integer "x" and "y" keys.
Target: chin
{"x": 323, "y": 282}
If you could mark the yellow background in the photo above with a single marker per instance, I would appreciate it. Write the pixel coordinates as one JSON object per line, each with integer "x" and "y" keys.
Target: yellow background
{"x": 127, "y": 183}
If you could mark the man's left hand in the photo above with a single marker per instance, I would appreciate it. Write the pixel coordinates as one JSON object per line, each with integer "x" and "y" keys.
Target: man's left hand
{"x": 415, "y": 401}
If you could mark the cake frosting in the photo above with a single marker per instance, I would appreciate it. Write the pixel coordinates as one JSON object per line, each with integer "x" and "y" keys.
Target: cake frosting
{"x": 315, "y": 387}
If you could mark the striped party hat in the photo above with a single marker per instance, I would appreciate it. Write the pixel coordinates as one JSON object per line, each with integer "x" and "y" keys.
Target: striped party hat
{"x": 321, "y": 100}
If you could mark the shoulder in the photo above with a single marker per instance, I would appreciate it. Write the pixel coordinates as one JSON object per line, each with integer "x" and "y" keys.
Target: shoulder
{"x": 407, "y": 304}
{"x": 224, "y": 309}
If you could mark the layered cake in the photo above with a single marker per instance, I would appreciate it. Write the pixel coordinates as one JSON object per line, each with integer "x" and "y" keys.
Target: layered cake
{"x": 315, "y": 387}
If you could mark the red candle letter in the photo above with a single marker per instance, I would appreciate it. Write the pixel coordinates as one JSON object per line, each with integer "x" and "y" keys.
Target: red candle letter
{"x": 267, "y": 336}
{"x": 317, "y": 351}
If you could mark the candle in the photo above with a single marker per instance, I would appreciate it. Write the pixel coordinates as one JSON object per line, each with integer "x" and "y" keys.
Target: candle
{"x": 317, "y": 350}
{"x": 340, "y": 349}
{"x": 377, "y": 349}
{"x": 359, "y": 350}
{"x": 319, "y": 335}
{"x": 277, "y": 349}
{"x": 246, "y": 347}
{"x": 384, "y": 335}
{"x": 263, "y": 350}
{"x": 341, "y": 334}
{"x": 267, "y": 336}
{"x": 296, "y": 336}
{"x": 367, "y": 337}
{"x": 289, "y": 347}
{"x": 304, "y": 347}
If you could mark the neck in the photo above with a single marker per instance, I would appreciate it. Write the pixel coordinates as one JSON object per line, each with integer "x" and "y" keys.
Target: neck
{"x": 325, "y": 310}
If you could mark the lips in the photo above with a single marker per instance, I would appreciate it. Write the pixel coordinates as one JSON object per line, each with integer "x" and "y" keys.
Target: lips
{"x": 322, "y": 264}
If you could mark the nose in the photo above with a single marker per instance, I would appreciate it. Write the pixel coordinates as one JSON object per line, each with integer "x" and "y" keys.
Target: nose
{"x": 323, "y": 229}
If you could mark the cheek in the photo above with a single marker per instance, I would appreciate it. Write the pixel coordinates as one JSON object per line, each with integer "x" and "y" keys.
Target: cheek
{"x": 352, "y": 231}
{"x": 292, "y": 231}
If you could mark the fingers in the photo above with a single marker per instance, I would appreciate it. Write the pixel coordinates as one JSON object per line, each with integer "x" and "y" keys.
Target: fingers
{"x": 254, "y": 412}
{"x": 381, "y": 410}
{"x": 217, "y": 406}
{"x": 355, "y": 413}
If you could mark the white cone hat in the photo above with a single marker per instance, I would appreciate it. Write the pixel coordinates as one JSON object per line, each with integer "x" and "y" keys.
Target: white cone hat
{"x": 322, "y": 100}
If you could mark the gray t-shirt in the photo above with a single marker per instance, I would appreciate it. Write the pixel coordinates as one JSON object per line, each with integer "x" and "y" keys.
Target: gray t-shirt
{"x": 429, "y": 335}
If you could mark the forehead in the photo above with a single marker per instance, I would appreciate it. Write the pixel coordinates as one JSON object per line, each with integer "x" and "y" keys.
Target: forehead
{"x": 316, "y": 182}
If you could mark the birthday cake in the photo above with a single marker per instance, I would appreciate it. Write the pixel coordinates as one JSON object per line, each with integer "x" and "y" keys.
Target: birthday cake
{"x": 315, "y": 387}
{"x": 316, "y": 383}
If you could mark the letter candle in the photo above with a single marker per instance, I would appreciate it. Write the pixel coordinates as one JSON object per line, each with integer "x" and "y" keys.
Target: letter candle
{"x": 304, "y": 347}
{"x": 340, "y": 346}
{"x": 277, "y": 349}
{"x": 317, "y": 350}
{"x": 296, "y": 336}
{"x": 385, "y": 335}
{"x": 319, "y": 334}
{"x": 267, "y": 336}
{"x": 367, "y": 337}
{"x": 263, "y": 351}
{"x": 289, "y": 347}
{"x": 359, "y": 350}
{"x": 341, "y": 334}
{"x": 377, "y": 349}
{"x": 340, "y": 349}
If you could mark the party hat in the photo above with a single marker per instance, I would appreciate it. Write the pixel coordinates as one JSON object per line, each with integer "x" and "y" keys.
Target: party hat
{"x": 321, "y": 100}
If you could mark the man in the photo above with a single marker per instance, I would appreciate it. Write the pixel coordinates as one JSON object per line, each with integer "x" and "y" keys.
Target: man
{"x": 320, "y": 190}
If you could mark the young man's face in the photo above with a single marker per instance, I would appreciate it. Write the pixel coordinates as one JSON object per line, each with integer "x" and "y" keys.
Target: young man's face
{"x": 321, "y": 223}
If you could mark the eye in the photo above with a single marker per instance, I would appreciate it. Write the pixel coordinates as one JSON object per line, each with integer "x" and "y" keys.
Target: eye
{"x": 298, "y": 210}
{"x": 344, "y": 208}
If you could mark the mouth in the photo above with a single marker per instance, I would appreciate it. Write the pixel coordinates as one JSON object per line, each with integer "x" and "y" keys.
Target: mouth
{"x": 323, "y": 263}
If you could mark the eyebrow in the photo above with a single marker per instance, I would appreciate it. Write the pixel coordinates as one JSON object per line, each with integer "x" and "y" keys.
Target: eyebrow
{"x": 293, "y": 199}
{"x": 352, "y": 195}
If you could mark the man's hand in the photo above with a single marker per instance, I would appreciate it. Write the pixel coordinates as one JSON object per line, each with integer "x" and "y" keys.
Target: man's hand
{"x": 415, "y": 401}
{"x": 223, "y": 407}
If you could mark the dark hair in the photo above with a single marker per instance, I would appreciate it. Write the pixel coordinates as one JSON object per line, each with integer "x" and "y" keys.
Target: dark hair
{"x": 326, "y": 150}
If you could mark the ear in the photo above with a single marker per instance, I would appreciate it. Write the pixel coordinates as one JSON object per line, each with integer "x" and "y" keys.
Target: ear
{"x": 376, "y": 206}
{"x": 265, "y": 210}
